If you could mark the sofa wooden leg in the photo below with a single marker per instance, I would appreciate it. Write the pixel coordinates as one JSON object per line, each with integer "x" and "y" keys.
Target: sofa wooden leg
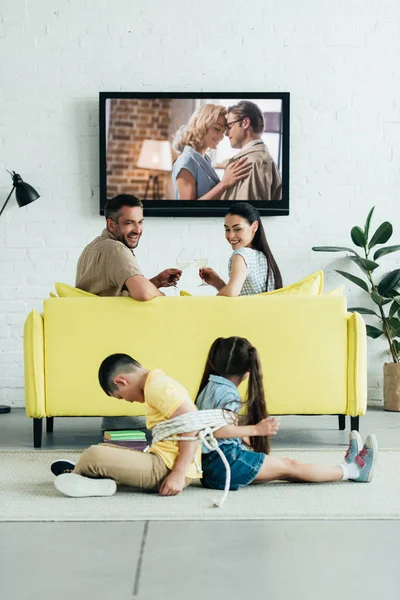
{"x": 49, "y": 424}
{"x": 354, "y": 423}
{"x": 37, "y": 433}
{"x": 342, "y": 422}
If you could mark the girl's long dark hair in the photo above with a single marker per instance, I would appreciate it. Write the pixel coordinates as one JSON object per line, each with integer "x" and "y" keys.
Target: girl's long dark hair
{"x": 251, "y": 214}
{"x": 235, "y": 356}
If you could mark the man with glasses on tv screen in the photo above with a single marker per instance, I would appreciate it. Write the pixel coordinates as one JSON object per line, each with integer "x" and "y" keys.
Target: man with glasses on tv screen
{"x": 244, "y": 127}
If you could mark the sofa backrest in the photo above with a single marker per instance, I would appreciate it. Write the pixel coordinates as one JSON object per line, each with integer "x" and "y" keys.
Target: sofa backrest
{"x": 302, "y": 341}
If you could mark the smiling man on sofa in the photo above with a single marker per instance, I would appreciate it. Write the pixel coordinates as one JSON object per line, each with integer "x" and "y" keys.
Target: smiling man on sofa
{"x": 108, "y": 265}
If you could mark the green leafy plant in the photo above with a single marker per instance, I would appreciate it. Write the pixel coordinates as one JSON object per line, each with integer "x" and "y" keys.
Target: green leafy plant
{"x": 386, "y": 293}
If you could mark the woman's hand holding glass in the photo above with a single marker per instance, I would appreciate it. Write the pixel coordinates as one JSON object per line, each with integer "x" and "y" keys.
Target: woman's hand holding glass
{"x": 199, "y": 257}
{"x": 210, "y": 277}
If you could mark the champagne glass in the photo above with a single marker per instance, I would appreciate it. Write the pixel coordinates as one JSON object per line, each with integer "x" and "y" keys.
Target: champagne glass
{"x": 200, "y": 259}
{"x": 183, "y": 261}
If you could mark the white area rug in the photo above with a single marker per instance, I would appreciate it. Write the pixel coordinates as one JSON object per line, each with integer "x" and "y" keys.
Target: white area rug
{"x": 27, "y": 493}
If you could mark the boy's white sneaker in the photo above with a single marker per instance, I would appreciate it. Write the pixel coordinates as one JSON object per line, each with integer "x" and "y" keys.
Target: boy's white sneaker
{"x": 77, "y": 486}
{"x": 62, "y": 465}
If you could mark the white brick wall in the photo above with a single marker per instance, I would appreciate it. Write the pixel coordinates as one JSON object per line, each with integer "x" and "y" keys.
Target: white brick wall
{"x": 338, "y": 59}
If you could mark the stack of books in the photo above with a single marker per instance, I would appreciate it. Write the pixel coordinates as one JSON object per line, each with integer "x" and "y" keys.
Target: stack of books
{"x": 129, "y": 438}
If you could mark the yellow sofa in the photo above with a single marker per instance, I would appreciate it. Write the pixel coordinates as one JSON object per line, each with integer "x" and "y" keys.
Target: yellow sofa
{"x": 313, "y": 352}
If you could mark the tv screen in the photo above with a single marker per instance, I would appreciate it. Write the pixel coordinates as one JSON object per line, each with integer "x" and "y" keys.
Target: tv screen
{"x": 187, "y": 154}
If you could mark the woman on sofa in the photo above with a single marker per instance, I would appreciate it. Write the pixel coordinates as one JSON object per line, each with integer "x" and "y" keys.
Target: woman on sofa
{"x": 230, "y": 361}
{"x": 252, "y": 267}
{"x": 193, "y": 174}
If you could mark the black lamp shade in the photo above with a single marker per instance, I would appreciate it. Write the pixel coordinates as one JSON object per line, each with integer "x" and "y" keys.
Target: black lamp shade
{"x": 24, "y": 192}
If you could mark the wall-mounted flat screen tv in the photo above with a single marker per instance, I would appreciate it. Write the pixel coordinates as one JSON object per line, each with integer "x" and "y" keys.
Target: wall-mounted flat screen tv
{"x": 194, "y": 154}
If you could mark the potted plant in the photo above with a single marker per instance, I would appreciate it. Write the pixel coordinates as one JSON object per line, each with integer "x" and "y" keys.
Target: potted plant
{"x": 385, "y": 294}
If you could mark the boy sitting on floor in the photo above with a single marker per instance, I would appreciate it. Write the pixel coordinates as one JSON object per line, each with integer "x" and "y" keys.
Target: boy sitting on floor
{"x": 168, "y": 467}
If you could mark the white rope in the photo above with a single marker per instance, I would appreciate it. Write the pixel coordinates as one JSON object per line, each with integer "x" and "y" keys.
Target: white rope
{"x": 205, "y": 422}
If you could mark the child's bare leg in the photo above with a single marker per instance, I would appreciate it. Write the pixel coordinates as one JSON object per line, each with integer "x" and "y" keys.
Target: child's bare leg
{"x": 292, "y": 470}
{"x": 357, "y": 466}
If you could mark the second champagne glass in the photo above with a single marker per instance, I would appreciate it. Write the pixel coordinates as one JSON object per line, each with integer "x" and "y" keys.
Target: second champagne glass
{"x": 200, "y": 259}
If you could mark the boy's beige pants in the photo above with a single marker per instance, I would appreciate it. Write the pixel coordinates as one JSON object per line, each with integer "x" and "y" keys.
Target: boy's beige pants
{"x": 143, "y": 470}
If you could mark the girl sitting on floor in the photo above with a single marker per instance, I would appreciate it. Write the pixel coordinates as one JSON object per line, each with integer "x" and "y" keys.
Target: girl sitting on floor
{"x": 230, "y": 361}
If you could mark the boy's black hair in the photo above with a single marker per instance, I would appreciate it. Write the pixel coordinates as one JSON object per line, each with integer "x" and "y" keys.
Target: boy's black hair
{"x": 112, "y": 366}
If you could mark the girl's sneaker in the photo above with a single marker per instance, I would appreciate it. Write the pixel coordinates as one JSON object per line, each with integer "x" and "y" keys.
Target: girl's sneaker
{"x": 355, "y": 446}
{"x": 77, "y": 486}
{"x": 366, "y": 459}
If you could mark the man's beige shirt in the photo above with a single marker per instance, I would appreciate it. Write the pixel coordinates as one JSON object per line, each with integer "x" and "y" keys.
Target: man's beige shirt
{"x": 105, "y": 265}
{"x": 264, "y": 181}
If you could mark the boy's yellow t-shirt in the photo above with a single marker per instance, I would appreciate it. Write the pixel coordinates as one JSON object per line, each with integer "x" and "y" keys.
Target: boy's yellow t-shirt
{"x": 162, "y": 397}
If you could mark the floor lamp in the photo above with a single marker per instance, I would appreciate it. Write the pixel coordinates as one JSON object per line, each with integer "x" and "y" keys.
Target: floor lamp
{"x": 155, "y": 155}
{"x": 25, "y": 194}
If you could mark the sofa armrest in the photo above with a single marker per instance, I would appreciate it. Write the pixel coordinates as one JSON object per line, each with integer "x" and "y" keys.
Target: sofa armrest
{"x": 35, "y": 404}
{"x": 357, "y": 387}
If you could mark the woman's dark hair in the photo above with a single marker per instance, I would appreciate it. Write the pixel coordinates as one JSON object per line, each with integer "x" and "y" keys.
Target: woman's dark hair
{"x": 235, "y": 356}
{"x": 251, "y": 214}
{"x": 111, "y": 367}
{"x": 113, "y": 205}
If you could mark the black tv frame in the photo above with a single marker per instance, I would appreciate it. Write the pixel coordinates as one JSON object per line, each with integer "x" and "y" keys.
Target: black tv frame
{"x": 201, "y": 208}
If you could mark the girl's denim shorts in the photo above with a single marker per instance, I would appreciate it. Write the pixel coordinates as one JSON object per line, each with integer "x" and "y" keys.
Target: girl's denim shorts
{"x": 244, "y": 464}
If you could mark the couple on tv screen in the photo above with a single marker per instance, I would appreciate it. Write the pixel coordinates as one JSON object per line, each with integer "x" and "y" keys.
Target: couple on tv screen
{"x": 184, "y": 148}
{"x": 251, "y": 174}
